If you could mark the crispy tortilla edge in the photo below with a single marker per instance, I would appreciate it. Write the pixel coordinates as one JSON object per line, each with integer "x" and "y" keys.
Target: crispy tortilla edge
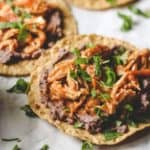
{"x": 25, "y": 67}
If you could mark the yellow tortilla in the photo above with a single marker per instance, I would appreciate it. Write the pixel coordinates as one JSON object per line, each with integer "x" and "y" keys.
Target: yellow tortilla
{"x": 43, "y": 112}
{"x": 25, "y": 67}
{"x": 98, "y": 4}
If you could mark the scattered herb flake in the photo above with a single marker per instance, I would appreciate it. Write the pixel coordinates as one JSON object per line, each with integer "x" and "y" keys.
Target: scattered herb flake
{"x": 78, "y": 124}
{"x": 23, "y": 33}
{"x": 76, "y": 52}
{"x": 110, "y": 77}
{"x": 93, "y": 93}
{"x": 10, "y": 140}
{"x": 127, "y": 22}
{"x": 21, "y": 86}
{"x": 87, "y": 146}
{"x": 84, "y": 75}
{"x": 139, "y": 12}
{"x": 98, "y": 111}
{"x": 111, "y": 135}
{"x": 28, "y": 111}
{"x": 89, "y": 45}
{"x": 97, "y": 63}
{"x": 132, "y": 124}
{"x": 81, "y": 60}
{"x": 128, "y": 107}
{"x": 104, "y": 96}
{"x": 45, "y": 147}
{"x": 118, "y": 123}
{"x": 16, "y": 147}
{"x": 5, "y": 25}
{"x": 73, "y": 75}
{"x": 112, "y": 2}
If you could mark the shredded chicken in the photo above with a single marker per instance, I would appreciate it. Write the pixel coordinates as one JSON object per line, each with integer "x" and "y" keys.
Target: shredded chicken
{"x": 64, "y": 88}
{"x": 6, "y": 13}
{"x": 34, "y": 6}
{"x": 30, "y": 33}
{"x": 37, "y": 42}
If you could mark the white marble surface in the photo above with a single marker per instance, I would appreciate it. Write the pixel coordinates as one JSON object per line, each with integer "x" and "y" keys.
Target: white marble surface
{"x": 35, "y": 132}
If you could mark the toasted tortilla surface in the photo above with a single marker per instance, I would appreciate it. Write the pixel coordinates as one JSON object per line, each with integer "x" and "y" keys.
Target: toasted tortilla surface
{"x": 43, "y": 112}
{"x": 25, "y": 67}
{"x": 98, "y": 4}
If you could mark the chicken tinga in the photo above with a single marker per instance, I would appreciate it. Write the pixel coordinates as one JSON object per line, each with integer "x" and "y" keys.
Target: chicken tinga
{"x": 29, "y": 27}
{"x": 99, "y": 88}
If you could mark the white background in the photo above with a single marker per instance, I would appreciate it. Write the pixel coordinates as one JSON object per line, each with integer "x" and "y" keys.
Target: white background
{"x": 35, "y": 132}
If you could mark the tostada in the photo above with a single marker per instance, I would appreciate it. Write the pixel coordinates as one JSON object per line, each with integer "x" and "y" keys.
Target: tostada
{"x": 27, "y": 29}
{"x": 95, "y": 88}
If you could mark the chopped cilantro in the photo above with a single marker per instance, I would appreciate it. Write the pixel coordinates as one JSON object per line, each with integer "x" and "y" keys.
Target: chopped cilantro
{"x": 87, "y": 146}
{"x": 5, "y": 25}
{"x": 110, "y": 77}
{"x": 98, "y": 111}
{"x": 127, "y": 22}
{"x": 84, "y": 75}
{"x": 23, "y": 31}
{"x": 111, "y": 135}
{"x": 28, "y": 111}
{"x": 89, "y": 45}
{"x": 73, "y": 75}
{"x": 93, "y": 93}
{"x": 118, "y": 123}
{"x": 11, "y": 140}
{"x": 21, "y": 86}
{"x": 81, "y": 60}
{"x": 129, "y": 107}
{"x": 104, "y": 96}
{"x": 139, "y": 12}
{"x": 78, "y": 124}
{"x": 76, "y": 52}
{"x": 16, "y": 147}
{"x": 97, "y": 63}
{"x": 45, "y": 147}
{"x": 112, "y": 2}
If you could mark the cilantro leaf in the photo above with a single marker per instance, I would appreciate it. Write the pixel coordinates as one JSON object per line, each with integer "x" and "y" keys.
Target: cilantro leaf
{"x": 112, "y": 2}
{"x": 104, "y": 96}
{"x": 73, "y": 75}
{"x": 45, "y": 147}
{"x": 87, "y": 146}
{"x": 89, "y": 45}
{"x": 78, "y": 124}
{"x": 111, "y": 135}
{"x": 127, "y": 22}
{"x": 128, "y": 107}
{"x": 21, "y": 86}
{"x": 98, "y": 111}
{"x": 93, "y": 93}
{"x": 76, "y": 52}
{"x": 139, "y": 12}
{"x": 28, "y": 111}
{"x": 11, "y": 140}
{"x": 81, "y": 60}
{"x": 5, "y": 25}
{"x": 97, "y": 63}
{"x": 84, "y": 75}
{"x": 16, "y": 147}
{"x": 23, "y": 31}
{"x": 110, "y": 77}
